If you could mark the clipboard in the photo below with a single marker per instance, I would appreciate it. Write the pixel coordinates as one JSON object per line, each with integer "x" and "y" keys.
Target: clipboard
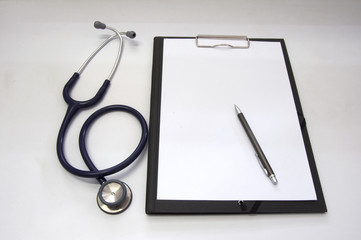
{"x": 200, "y": 160}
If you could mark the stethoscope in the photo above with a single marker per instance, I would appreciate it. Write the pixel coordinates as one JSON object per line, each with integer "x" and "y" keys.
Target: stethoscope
{"x": 114, "y": 196}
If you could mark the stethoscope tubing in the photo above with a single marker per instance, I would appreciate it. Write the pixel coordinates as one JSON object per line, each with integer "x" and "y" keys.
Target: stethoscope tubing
{"x": 134, "y": 155}
{"x": 73, "y": 108}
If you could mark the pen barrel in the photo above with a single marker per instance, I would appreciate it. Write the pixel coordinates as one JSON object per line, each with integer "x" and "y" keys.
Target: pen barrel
{"x": 261, "y": 156}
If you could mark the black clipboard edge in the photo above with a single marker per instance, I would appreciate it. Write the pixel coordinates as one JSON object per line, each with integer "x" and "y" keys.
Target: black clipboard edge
{"x": 233, "y": 207}
{"x": 306, "y": 139}
{"x": 153, "y": 150}
{"x": 154, "y": 206}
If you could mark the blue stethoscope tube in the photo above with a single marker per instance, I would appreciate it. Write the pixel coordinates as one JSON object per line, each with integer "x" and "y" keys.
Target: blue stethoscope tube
{"x": 74, "y": 107}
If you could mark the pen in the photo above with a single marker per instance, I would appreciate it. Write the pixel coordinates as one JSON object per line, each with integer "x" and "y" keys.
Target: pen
{"x": 259, "y": 153}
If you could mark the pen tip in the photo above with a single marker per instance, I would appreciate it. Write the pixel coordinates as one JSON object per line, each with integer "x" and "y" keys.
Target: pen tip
{"x": 274, "y": 179}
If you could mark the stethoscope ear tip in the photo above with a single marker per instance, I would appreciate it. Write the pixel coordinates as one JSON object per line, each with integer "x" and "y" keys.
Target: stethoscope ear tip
{"x": 114, "y": 197}
{"x": 99, "y": 25}
{"x": 131, "y": 34}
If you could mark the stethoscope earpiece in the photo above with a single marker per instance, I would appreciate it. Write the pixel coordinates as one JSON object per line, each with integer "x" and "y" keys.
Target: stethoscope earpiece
{"x": 114, "y": 196}
{"x": 130, "y": 34}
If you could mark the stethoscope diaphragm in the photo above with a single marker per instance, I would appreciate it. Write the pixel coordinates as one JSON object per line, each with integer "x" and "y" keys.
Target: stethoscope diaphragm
{"x": 114, "y": 196}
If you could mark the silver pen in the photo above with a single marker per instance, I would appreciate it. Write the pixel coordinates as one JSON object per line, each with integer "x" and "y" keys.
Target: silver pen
{"x": 259, "y": 153}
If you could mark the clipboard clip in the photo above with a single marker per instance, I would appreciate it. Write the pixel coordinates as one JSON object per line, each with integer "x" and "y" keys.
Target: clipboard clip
{"x": 213, "y": 41}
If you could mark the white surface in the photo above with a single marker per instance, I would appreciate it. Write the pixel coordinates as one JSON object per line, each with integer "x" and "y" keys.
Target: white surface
{"x": 42, "y": 43}
{"x": 204, "y": 152}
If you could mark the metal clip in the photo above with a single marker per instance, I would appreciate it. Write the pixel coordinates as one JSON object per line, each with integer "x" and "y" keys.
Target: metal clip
{"x": 213, "y": 41}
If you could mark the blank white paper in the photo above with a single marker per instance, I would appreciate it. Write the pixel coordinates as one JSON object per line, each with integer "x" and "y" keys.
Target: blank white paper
{"x": 204, "y": 152}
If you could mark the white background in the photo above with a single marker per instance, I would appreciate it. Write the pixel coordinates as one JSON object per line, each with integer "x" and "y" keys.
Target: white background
{"x": 42, "y": 43}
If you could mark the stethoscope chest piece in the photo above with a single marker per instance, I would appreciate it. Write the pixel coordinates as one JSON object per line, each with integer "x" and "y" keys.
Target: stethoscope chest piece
{"x": 114, "y": 196}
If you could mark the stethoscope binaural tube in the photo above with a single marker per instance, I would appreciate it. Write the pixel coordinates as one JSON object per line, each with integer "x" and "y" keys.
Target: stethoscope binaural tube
{"x": 100, "y": 25}
{"x": 75, "y": 106}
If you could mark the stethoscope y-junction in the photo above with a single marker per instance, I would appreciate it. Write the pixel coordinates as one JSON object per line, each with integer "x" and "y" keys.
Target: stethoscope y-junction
{"x": 114, "y": 196}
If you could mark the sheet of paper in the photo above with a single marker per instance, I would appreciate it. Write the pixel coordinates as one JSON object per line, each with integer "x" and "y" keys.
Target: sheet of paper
{"x": 204, "y": 152}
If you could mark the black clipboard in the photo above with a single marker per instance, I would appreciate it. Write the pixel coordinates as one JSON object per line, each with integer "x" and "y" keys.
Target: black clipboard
{"x": 154, "y": 205}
